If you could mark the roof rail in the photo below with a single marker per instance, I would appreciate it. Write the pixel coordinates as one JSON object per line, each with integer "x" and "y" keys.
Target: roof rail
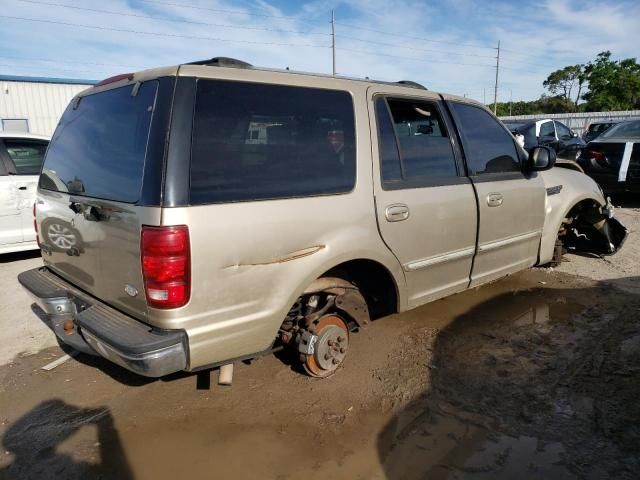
{"x": 410, "y": 83}
{"x": 222, "y": 62}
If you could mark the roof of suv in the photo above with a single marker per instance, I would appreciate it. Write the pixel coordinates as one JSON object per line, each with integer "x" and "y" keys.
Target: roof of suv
{"x": 228, "y": 64}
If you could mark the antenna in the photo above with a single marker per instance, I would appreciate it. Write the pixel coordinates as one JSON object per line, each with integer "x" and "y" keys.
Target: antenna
{"x": 495, "y": 91}
{"x": 333, "y": 41}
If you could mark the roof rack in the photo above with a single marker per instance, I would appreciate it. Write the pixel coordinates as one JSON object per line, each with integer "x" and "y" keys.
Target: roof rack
{"x": 235, "y": 63}
{"x": 222, "y": 62}
{"x": 411, "y": 83}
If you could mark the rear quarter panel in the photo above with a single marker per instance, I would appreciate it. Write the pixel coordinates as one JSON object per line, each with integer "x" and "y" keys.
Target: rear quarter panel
{"x": 251, "y": 260}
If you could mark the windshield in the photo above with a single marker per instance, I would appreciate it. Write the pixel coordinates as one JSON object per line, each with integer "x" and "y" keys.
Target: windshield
{"x": 99, "y": 147}
{"x": 623, "y": 130}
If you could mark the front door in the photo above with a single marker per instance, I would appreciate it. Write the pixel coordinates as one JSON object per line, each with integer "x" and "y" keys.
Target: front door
{"x": 425, "y": 205}
{"x": 547, "y": 135}
{"x": 511, "y": 204}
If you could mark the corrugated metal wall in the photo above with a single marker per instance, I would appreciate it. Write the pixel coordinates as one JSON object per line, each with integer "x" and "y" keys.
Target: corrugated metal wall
{"x": 41, "y": 104}
{"x": 579, "y": 122}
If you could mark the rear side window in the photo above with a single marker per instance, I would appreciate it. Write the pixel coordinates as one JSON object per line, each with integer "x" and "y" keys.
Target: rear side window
{"x": 27, "y": 155}
{"x": 488, "y": 147}
{"x": 255, "y": 142}
{"x": 100, "y": 144}
{"x": 414, "y": 144}
{"x": 547, "y": 130}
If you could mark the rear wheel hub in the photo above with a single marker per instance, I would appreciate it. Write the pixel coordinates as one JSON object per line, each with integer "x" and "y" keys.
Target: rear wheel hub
{"x": 330, "y": 348}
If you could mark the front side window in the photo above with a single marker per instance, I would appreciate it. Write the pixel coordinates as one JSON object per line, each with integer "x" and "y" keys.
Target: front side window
{"x": 487, "y": 145}
{"x": 414, "y": 141}
{"x": 27, "y": 155}
{"x": 255, "y": 142}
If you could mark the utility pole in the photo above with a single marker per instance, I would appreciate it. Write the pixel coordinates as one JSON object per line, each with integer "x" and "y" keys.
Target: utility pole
{"x": 333, "y": 41}
{"x": 484, "y": 95}
{"x": 510, "y": 100}
{"x": 495, "y": 91}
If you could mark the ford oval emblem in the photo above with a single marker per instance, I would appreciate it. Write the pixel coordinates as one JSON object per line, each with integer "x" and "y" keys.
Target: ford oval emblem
{"x": 130, "y": 290}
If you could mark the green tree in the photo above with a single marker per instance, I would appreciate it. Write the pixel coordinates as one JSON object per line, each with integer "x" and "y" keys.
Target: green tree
{"x": 613, "y": 85}
{"x": 564, "y": 81}
{"x": 544, "y": 105}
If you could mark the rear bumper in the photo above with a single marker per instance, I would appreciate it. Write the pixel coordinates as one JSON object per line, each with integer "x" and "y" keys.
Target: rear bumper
{"x": 90, "y": 326}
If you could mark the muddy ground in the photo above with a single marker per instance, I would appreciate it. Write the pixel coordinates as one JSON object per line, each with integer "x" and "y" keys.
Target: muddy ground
{"x": 534, "y": 376}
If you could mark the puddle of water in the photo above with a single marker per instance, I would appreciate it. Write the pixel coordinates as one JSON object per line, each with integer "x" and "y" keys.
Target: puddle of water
{"x": 443, "y": 446}
{"x": 631, "y": 346}
{"x": 538, "y": 314}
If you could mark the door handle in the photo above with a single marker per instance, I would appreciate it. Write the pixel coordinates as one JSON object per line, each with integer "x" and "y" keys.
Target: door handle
{"x": 22, "y": 188}
{"x": 397, "y": 212}
{"x": 494, "y": 199}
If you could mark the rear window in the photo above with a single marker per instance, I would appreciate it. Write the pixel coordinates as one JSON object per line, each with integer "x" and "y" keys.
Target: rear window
{"x": 99, "y": 147}
{"x": 254, "y": 141}
{"x": 623, "y": 130}
{"x": 27, "y": 155}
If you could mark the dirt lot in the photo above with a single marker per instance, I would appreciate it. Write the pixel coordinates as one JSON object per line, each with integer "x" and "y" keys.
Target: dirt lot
{"x": 534, "y": 376}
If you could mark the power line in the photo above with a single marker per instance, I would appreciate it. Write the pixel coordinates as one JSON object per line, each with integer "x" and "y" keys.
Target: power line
{"x": 174, "y": 20}
{"x": 422, "y": 60}
{"x": 52, "y": 60}
{"x": 415, "y": 48}
{"x": 58, "y": 69}
{"x": 156, "y": 34}
{"x": 414, "y": 38}
{"x": 220, "y": 10}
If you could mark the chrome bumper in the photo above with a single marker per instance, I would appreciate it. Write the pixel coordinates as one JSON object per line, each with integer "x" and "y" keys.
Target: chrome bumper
{"x": 92, "y": 327}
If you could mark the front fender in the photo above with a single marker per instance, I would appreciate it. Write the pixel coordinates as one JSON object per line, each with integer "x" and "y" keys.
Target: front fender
{"x": 566, "y": 189}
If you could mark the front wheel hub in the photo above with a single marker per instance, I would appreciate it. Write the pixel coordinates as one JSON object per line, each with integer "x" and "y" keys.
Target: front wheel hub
{"x": 330, "y": 348}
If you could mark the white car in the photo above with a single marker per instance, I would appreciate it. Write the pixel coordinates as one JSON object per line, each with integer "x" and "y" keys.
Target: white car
{"x": 21, "y": 156}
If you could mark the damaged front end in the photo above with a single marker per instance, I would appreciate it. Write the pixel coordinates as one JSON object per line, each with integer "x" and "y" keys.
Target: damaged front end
{"x": 590, "y": 228}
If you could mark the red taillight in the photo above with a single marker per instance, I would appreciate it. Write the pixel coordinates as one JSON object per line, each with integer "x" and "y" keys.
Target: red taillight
{"x": 588, "y": 153}
{"x": 35, "y": 225}
{"x": 166, "y": 265}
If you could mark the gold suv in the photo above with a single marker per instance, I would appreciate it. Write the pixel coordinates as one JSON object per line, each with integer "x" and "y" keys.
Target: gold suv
{"x": 216, "y": 211}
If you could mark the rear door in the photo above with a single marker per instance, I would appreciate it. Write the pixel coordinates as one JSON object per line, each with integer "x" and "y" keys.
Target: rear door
{"x": 511, "y": 204}
{"x": 547, "y": 135}
{"x": 425, "y": 204}
{"x": 92, "y": 198}
{"x": 26, "y": 158}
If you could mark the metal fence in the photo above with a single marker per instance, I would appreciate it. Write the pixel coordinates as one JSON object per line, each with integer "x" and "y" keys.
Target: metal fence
{"x": 579, "y": 122}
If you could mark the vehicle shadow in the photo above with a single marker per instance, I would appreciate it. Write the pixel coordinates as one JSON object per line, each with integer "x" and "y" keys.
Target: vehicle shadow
{"x": 530, "y": 384}
{"x": 35, "y": 439}
{"x": 626, "y": 200}
{"x": 16, "y": 256}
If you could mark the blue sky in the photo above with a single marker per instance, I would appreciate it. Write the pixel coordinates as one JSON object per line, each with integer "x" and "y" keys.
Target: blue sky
{"x": 447, "y": 46}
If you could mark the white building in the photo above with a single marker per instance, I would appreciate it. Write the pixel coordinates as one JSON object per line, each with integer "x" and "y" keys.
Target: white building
{"x": 34, "y": 104}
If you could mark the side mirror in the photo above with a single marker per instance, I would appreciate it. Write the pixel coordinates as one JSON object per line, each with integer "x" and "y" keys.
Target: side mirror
{"x": 541, "y": 158}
